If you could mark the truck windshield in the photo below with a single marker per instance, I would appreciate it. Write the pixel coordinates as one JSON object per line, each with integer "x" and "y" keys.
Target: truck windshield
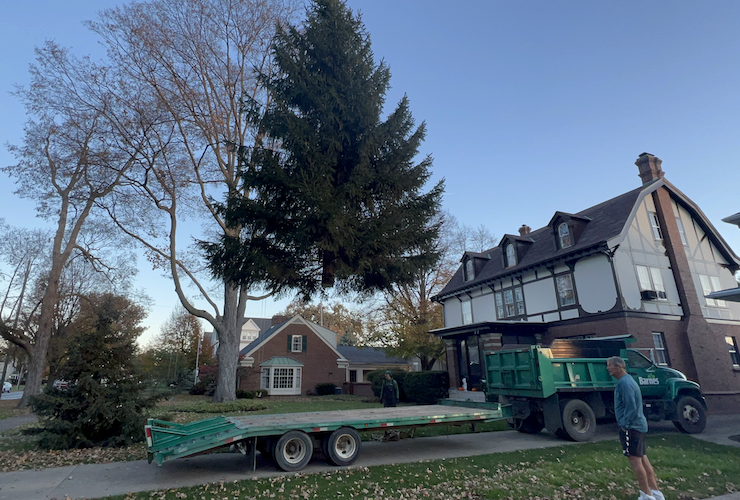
{"x": 637, "y": 360}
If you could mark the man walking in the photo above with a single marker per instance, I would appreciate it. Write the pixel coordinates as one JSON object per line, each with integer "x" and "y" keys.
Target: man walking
{"x": 632, "y": 428}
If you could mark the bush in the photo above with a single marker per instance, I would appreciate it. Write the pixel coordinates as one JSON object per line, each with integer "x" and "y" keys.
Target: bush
{"x": 325, "y": 388}
{"x": 198, "y": 389}
{"x": 376, "y": 377}
{"x": 244, "y": 394}
{"x": 228, "y": 407}
{"x": 426, "y": 388}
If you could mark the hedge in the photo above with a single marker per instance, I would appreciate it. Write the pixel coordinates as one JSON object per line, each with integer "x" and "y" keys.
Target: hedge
{"x": 426, "y": 388}
{"x": 325, "y": 388}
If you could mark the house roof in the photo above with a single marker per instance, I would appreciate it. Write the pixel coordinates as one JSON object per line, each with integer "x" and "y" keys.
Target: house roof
{"x": 369, "y": 356}
{"x": 281, "y": 360}
{"x": 606, "y": 220}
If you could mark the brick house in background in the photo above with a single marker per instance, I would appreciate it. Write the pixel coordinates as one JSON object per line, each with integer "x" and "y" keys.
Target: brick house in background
{"x": 642, "y": 263}
{"x": 291, "y": 357}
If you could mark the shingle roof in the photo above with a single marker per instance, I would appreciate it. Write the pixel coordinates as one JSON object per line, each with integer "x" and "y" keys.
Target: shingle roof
{"x": 607, "y": 220}
{"x": 369, "y": 356}
{"x": 262, "y": 337}
{"x": 281, "y": 360}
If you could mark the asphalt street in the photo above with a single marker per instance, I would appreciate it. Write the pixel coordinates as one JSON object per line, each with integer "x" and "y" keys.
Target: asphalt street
{"x": 100, "y": 480}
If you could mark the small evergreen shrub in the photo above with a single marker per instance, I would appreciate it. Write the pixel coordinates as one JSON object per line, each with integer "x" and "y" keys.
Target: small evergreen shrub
{"x": 244, "y": 394}
{"x": 325, "y": 388}
{"x": 426, "y": 388}
{"x": 198, "y": 389}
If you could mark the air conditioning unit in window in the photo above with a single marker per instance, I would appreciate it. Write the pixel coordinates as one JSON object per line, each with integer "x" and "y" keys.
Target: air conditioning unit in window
{"x": 649, "y": 294}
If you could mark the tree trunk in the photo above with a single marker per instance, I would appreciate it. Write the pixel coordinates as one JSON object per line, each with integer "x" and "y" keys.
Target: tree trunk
{"x": 228, "y": 346}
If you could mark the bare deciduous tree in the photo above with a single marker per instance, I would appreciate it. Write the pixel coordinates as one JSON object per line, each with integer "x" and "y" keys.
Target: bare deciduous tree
{"x": 198, "y": 59}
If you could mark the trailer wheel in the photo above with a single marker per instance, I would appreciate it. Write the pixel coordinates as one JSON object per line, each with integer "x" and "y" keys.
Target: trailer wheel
{"x": 342, "y": 447}
{"x": 692, "y": 419}
{"x": 293, "y": 451}
{"x": 579, "y": 420}
{"x": 533, "y": 424}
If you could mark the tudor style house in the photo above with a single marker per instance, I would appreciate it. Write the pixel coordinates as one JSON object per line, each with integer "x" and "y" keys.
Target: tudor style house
{"x": 640, "y": 264}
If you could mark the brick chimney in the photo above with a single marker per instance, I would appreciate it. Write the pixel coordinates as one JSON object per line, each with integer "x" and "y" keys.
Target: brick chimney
{"x": 649, "y": 166}
{"x": 278, "y": 319}
{"x": 524, "y": 230}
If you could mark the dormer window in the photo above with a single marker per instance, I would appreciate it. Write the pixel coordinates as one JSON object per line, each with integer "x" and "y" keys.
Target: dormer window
{"x": 469, "y": 270}
{"x": 510, "y": 255}
{"x": 564, "y": 235}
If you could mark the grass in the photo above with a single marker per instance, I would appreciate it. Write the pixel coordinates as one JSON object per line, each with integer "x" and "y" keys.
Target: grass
{"x": 8, "y": 409}
{"x": 686, "y": 467}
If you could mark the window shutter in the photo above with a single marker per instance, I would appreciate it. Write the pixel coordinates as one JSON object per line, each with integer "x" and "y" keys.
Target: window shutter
{"x": 290, "y": 343}
{"x": 305, "y": 342}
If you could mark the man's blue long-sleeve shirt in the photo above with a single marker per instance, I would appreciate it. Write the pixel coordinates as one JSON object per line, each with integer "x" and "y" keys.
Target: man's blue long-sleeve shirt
{"x": 628, "y": 405}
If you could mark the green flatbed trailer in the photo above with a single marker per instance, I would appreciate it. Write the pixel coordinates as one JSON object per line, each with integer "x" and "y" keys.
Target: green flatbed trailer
{"x": 291, "y": 438}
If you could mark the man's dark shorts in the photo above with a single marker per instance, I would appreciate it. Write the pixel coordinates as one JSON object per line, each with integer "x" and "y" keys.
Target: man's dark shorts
{"x": 633, "y": 442}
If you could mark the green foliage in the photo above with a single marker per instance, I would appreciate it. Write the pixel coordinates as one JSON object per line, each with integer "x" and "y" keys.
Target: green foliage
{"x": 342, "y": 197}
{"x": 242, "y": 394}
{"x": 239, "y": 405}
{"x": 426, "y": 388}
{"x": 105, "y": 401}
{"x": 375, "y": 377}
{"x": 325, "y": 388}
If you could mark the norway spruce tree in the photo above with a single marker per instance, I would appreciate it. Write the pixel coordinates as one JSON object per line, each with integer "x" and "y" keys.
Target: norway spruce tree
{"x": 338, "y": 193}
{"x": 104, "y": 401}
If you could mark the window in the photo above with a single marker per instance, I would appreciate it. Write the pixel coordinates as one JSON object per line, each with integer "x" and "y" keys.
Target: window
{"x": 661, "y": 355}
{"x": 510, "y": 255}
{"x": 282, "y": 380}
{"x": 265, "y": 378}
{"x": 711, "y": 284}
{"x": 352, "y": 376}
{"x": 467, "y": 312}
{"x": 500, "y": 306}
{"x": 637, "y": 360}
{"x": 566, "y": 296}
{"x": 510, "y": 303}
{"x": 297, "y": 343}
{"x": 469, "y": 270}
{"x": 564, "y": 235}
{"x": 681, "y": 232}
{"x": 657, "y": 234}
{"x": 651, "y": 283}
{"x": 732, "y": 346}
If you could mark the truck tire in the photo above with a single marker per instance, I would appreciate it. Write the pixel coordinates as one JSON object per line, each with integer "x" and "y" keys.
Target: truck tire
{"x": 692, "y": 419}
{"x": 533, "y": 424}
{"x": 579, "y": 421}
{"x": 342, "y": 447}
{"x": 293, "y": 451}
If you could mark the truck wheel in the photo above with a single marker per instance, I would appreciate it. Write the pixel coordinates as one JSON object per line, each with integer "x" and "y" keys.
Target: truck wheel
{"x": 293, "y": 451}
{"x": 342, "y": 446}
{"x": 533, "y": 424}
{"x": 692, "y": 419}
{"x": 579, "y": 420}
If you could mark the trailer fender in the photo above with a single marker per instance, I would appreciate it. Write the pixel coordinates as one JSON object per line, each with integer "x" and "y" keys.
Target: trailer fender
{"x": 553, "y": 414}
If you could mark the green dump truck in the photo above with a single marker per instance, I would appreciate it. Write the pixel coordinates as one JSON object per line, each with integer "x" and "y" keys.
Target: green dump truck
{"x": 566, "y": 387}
{"x": 290, "y": 439}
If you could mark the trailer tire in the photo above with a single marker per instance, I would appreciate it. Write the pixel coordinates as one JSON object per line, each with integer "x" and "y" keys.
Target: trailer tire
{"x": 293, "y": 451}
{"x": 342, "y": 447}
{"x": 692, "y": 419}
{"x": 579, "y": 420}
{"x": 533, "y": 424}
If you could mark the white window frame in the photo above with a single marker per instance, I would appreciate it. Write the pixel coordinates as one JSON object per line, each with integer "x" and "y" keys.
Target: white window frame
{"x": 469, "y": 270}
{"x": 661, "y": 353}
{"x": 682, "y": 232}
{"x": 510, "y": 255}
{"x": 287, "y": 378}
{"x": 565, "y": 290}
{"x": 711, "y": 284}
{"x": 566, "y": 240}
{"x": 655, "y": 225}
{"x": 499, "y": 298}
{"x": 296, "y": 346}
{"x": 467, "y": 311}
{"x": 651, "y": 279}
{"x": 734, "y": 353}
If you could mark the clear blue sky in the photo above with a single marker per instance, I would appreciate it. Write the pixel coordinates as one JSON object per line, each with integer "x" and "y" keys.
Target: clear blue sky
{"x": 531, "y": 106}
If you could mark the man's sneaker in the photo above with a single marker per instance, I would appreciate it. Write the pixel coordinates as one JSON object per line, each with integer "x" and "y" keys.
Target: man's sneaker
{"x": 657, "y": 494}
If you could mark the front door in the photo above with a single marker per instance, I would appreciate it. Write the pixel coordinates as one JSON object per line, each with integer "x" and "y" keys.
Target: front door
{"x": 470, "y": 361}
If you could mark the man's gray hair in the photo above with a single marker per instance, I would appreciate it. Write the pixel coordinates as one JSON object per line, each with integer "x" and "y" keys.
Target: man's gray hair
{"x": 616, "y": 361}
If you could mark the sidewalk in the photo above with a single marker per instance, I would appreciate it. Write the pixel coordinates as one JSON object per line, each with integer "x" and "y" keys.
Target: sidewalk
{"x": 99, "y": 480}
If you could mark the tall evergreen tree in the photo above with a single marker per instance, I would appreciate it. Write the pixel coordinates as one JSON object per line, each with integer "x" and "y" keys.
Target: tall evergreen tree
{"x": 338, "y": 193}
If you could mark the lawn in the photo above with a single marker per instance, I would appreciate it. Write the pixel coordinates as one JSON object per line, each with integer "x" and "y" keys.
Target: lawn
{"x": 686, "y": 467}
{"x": 8, "y": 409}
{"x": 19, "y": 452}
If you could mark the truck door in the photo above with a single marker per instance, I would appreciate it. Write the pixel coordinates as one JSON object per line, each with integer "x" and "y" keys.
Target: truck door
{"x": 646, "y": 374}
